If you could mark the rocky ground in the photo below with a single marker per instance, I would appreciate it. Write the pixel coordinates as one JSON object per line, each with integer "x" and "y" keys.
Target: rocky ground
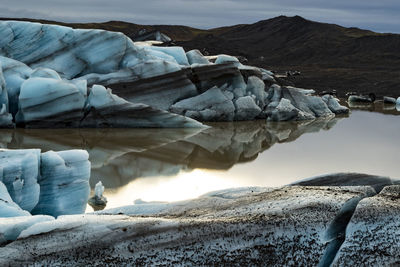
{"x": 293, "y": 225}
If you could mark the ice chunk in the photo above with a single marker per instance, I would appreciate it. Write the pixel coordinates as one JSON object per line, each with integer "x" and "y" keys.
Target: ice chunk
{"x": 257, "y": 87}
{"x": 196, "y": 57}
{"x": 389, "y": 100}
{"x": 320, "y": 108}
{"x": 246, "y": 108}
{"x": 211, "y": 105}
{"x": 19, "y": 172}
{"x": 98, "y": 201}
{"x": 64, "y": 183}
{"x": 361, "y": 99}
{"x": 312, "y": 105}
{"x": 176, "y": 52}
{"x": 334, "y": 106}
{"x": 285, "y": 111}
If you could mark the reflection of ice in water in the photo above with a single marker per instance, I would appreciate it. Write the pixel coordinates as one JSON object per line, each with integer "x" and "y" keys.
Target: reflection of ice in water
{"x": 174, "y": 164}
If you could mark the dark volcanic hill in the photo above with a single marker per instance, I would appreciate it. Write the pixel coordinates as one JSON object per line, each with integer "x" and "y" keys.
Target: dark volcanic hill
{"x": 327, "y": 55}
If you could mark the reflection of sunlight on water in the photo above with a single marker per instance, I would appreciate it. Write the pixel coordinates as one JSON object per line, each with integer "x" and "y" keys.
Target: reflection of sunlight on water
{"x": 185, "y": 185}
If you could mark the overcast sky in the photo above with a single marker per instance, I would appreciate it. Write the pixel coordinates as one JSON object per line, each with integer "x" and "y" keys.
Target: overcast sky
{"x": 377, "y": 15}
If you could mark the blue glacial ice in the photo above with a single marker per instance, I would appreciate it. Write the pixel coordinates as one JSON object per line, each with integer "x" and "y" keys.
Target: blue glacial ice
{"x": 176, "y": 52}
{"x": 64, "y": 183}
{"x": 51, "y": 183}
{"x": 77, "y": 52}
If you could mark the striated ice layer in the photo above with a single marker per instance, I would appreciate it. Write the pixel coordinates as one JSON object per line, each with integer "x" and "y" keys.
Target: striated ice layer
{"x": 50, "y": 101}
{"x": 105, "y": 109}
{"x": 68, "y": 51}
{"x": 19, "y": 172}
{"x": 64, "y": 183}
{"x": 77, "y": 52}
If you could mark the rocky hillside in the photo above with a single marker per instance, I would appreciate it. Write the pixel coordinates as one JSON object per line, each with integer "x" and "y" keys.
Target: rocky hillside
{"x": 329, "y": 56}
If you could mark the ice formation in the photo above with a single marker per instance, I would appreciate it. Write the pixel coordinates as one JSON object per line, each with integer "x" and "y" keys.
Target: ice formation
{"x": 99, "y": 190}
{"x": 51, "y": 73}
{"x": 98, "y": 201}
{"x": 52, "y": 183}
{"x": 196, "y": 57}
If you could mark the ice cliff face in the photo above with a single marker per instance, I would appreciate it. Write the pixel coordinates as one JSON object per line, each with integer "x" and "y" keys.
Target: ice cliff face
{"x": 48, "y": 71}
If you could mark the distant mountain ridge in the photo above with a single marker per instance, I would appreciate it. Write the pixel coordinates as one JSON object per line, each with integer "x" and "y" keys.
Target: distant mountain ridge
{"x": 329, "y": 56}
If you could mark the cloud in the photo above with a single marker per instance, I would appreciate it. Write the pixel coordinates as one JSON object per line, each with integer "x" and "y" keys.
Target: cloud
{"x": 375, "y": 15}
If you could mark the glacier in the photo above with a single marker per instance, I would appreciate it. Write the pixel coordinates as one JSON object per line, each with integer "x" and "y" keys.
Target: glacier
{"x": 48, "y": 73}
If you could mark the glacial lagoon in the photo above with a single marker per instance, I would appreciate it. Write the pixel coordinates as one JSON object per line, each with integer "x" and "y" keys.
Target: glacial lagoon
{"x": 144, "y": 165}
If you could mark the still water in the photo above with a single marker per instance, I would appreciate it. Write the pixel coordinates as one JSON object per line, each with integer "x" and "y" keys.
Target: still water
{"x": 177, "y": 164}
